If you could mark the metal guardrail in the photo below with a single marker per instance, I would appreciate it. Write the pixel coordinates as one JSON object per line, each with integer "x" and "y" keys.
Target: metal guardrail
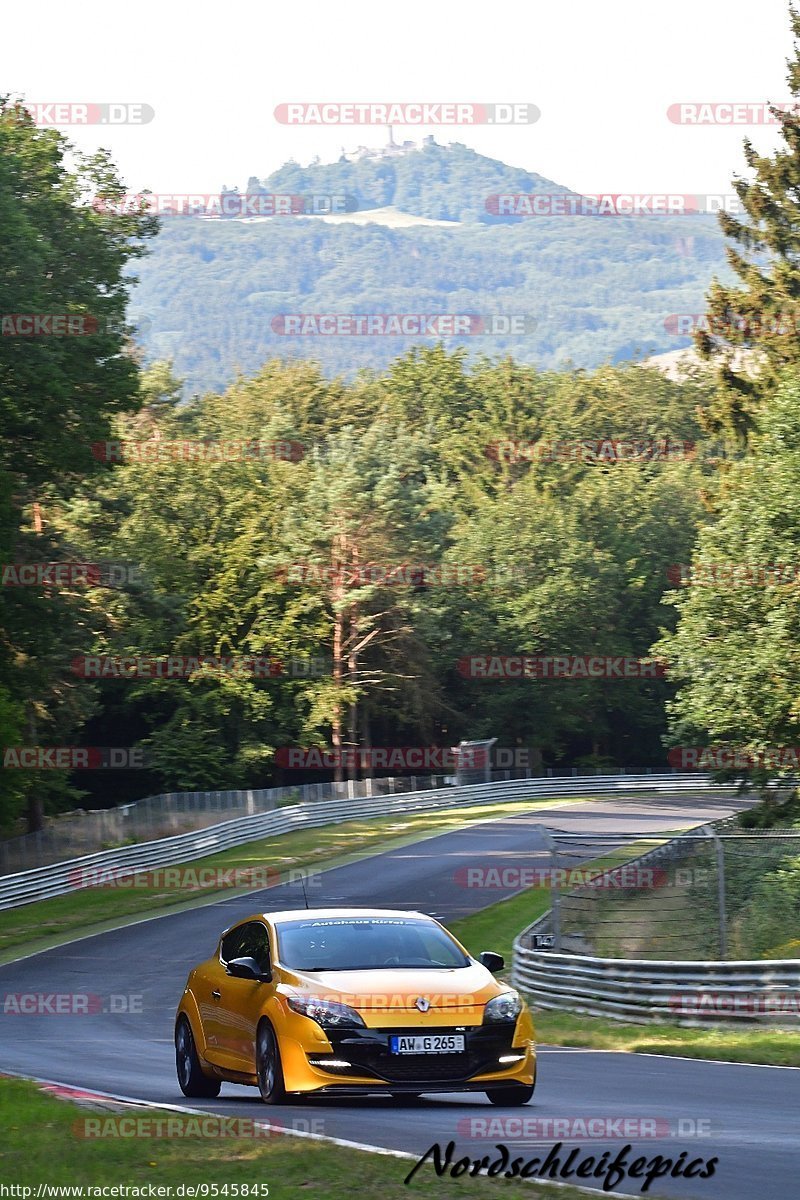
{"x": 57, "y": 879}
{"x": 645, "y": 990}
{"x": 86, "y": 831}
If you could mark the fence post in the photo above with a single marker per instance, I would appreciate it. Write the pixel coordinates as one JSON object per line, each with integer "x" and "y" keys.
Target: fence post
{"x": 721, "y": 899}
{"x": 722, "y": 912}
{"x": 555, "y": 894}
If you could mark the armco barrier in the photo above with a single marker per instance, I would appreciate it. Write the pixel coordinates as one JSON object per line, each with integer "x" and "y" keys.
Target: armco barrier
{"x": 86, "y": 831}
{"x": 56, "y": 879}
{"x": 645, "y": 990}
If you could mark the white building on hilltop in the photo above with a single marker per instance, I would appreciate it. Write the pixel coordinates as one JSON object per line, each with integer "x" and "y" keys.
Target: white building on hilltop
{"x": 392, "y": 149}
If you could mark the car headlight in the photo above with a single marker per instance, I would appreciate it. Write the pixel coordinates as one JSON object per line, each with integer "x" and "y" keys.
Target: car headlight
{"x": 502, "y": 1008}
{"x": 330, "y": 1014}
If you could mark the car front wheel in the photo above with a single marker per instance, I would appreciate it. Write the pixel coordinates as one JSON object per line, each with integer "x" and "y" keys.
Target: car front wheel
{"x": 268, "y": 1066}
{"x": 192, "y": 1080}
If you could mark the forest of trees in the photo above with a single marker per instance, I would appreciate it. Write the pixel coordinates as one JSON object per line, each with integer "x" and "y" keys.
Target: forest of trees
{"x": 574, "y": 559}
{"x": 439, "y": 462}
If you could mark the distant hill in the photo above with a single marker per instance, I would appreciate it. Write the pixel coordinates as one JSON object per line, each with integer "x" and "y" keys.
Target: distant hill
{"x": 593, "y": 289}
{"x": 446, "y": 183}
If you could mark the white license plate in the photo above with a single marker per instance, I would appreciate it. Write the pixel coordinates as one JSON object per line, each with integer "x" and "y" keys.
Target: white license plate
{"x": 429, "y": 1043}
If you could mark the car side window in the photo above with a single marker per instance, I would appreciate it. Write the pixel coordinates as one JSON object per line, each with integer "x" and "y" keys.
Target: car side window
{"x": 247, "y": 941}
{"x": 256, "y": 944}
{"x": 232, "y": 944}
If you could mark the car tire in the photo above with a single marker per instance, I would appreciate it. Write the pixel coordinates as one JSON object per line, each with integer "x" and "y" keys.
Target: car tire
{"x": 191, "y": 1078}
{"x": 269, "y": 1068}
{"x": 511, "y": 1096}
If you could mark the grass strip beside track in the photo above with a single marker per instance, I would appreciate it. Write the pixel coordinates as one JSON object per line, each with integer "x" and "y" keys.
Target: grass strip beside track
{"x": 753, "y": 1044}
{"x": 42, "y": 1144}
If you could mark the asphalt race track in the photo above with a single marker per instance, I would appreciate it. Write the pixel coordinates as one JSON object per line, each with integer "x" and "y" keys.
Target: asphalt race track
{"x": 748, "y": 1116}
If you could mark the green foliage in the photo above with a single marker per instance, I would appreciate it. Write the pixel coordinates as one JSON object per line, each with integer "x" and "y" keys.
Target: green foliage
{"x": 771, "y": 913}
{"x": 761, "y": 311}
{"x": 735, "y": 650}
{"x": 58, "y": 395}
{"x": 772, "y": 814}
{"x": 397, "y": 470}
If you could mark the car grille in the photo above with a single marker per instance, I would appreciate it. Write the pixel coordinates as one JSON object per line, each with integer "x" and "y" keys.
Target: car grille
{"x": 368, "y": 1052}
{"x": 408, "y": 1068}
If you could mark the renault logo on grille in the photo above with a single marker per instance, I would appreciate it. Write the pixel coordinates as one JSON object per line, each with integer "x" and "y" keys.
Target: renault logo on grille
{"x": 422, "y": 1004}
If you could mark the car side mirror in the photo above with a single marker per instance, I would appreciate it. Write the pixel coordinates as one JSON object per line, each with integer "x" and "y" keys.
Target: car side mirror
{"x": 493, "y": 962}
{"x": 247, "y": 968}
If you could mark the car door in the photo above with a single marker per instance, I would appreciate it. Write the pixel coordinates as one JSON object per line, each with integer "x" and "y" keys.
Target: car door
{"x": 211, "y": 989}
{"x": 242, "y": 1000}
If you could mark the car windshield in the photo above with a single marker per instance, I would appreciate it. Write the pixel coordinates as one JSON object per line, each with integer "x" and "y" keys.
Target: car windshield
{"x": 366, "y": 944}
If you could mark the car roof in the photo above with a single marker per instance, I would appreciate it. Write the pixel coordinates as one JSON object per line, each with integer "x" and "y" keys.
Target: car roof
{"x": 304, "y": 914}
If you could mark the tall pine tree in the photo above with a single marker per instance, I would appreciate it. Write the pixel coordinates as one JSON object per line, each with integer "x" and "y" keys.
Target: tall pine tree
{"x": 761, "y": 313}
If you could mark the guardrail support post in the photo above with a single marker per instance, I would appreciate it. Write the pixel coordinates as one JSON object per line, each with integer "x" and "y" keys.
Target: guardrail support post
{"x": 555, "y": 894}
{"x": 719, "y": 845}
{"x": 722, "y": 910}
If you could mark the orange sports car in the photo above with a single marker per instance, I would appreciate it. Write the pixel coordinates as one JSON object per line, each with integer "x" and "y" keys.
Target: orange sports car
{"x": 346, "y": 1001}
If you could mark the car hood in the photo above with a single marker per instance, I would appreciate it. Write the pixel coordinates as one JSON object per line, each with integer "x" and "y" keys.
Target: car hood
{"x": 461, "y": 987}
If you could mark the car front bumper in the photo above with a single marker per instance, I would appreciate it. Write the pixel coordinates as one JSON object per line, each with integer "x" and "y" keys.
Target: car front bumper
{"x": 358, "y": 1060}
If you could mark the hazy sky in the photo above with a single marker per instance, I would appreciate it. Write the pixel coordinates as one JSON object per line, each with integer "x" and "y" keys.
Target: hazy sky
{"x": 602, "y": 75}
